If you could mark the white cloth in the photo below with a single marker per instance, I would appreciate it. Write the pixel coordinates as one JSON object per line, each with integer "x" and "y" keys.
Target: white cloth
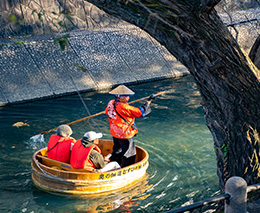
{"x": 110, "y": 166}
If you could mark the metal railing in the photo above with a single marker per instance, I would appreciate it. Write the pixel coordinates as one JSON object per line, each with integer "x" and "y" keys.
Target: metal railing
{"x": 236, "y": 191}
{"x": 201, "y": 203}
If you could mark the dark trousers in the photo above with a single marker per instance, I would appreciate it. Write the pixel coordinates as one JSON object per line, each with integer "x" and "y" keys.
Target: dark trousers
{"x": 124, "y": 151}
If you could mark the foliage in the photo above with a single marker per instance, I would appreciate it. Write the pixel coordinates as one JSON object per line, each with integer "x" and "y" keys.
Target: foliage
{"x": 62, "y": 41}
{"x": 81, "y": 68}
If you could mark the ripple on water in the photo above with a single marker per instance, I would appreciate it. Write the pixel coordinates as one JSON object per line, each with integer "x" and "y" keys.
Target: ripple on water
{"x": 181, "y": 154}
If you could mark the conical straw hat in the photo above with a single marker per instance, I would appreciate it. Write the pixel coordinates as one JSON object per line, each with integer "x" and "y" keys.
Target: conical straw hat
{"x": 121, "y": 90}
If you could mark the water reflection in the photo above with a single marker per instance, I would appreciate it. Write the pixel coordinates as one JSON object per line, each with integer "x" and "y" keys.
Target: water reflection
{"x": 121, "y": 200}
{"x": 182, "y": 166}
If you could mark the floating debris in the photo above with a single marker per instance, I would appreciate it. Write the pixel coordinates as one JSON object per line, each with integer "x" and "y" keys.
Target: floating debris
{"x": 19, "y": 124}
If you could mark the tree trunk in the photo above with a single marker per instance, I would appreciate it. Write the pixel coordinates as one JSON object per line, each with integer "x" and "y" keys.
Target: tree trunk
{"x": 193, "y": 32}
{"x": 255, "y": 53}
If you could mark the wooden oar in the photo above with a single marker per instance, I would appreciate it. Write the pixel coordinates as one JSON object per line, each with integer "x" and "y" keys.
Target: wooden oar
{"x": 91, "y": 116}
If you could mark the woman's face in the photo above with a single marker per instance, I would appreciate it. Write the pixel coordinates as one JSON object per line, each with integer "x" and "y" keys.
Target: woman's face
{"x": 96, "y": 141}
{"x": 124, "y": 99}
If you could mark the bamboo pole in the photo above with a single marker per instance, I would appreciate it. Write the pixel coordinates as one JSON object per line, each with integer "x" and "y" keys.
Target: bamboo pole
{"x": 97, "y": 114}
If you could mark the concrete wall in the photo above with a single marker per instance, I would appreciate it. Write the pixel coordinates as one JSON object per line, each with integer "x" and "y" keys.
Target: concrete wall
{"x": 95, "y": 60}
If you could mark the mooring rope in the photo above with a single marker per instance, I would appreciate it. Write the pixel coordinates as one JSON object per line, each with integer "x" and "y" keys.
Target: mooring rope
{"x": 48, "y": 173}
{"x": 84, "y": 104}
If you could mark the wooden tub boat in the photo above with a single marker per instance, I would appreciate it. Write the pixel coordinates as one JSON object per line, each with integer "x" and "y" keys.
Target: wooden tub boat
{"x": 58, "y": 177}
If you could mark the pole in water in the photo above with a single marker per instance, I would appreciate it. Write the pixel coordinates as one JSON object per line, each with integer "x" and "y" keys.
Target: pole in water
{"x": 40, "y": 137}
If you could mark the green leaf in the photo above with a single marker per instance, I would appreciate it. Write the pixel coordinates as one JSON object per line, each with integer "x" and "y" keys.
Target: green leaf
{"x": 62, "y": 41}
{"x": 69, "y": 18}
{"x": 19, "y": 42}
{"x": 12, "y": 17}
{"x": 40, "y": 16}
{"x": 65, "y": 12}
{"x": 62, "y": 44}
{"x": 66, "y": 36}
{"x": 82, "y": 68}
{"x": 61, "y": 24}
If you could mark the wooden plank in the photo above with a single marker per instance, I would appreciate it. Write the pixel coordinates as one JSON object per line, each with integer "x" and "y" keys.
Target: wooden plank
{"x": 60, "y": 165}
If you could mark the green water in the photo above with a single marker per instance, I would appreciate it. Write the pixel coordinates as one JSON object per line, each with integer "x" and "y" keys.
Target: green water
{"x": 182, "y": 165}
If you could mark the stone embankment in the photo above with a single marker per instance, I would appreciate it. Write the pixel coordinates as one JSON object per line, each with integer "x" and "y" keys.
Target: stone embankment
{"x": 94, "y": 60}
{"x": 111, "y": 53}
{"x": 245, "y": 33}
{"x": 102, "y": 52}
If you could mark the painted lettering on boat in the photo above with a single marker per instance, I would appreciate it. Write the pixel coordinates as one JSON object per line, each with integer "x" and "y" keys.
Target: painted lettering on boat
{"x": 121, "y": 172}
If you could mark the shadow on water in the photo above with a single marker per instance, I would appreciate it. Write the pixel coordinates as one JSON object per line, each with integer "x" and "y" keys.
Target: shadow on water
{"x": 182, "y": 166}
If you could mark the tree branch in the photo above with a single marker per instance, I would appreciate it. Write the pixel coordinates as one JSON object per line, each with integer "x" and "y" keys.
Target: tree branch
{"x": 210, "y": 4}
{"x": 242, "y": 22}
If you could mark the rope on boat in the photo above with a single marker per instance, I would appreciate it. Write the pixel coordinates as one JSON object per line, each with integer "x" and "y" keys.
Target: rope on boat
{"x": 85, "y": 106}
{"x": 48, "y": 173}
